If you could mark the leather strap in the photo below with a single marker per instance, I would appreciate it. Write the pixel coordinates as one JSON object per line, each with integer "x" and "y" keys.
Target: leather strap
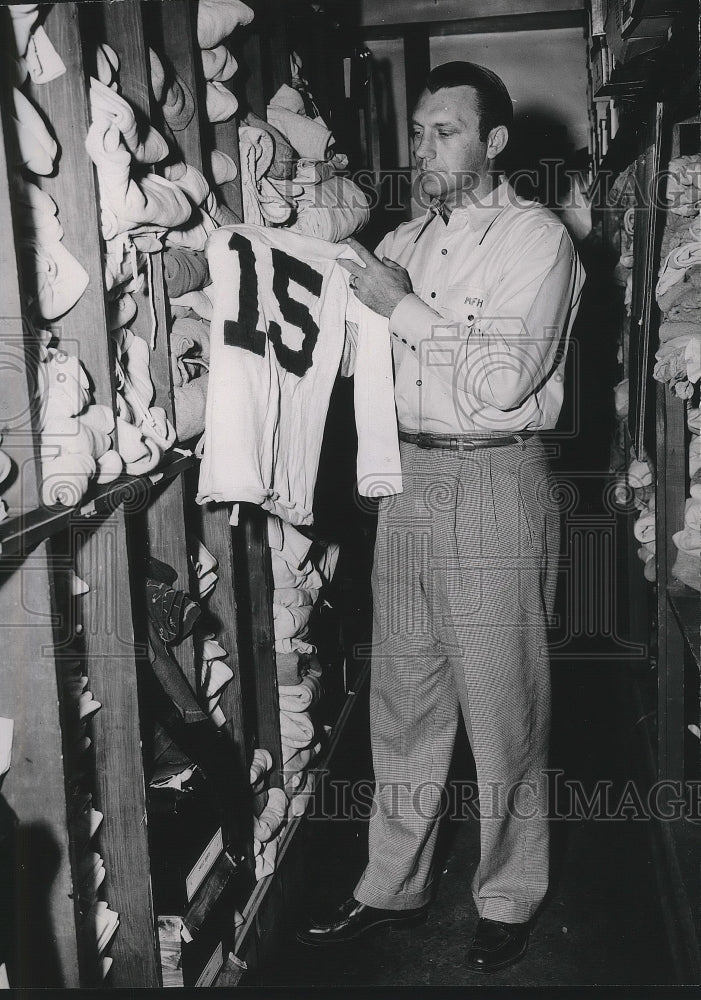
{"x": 462, "y": 442}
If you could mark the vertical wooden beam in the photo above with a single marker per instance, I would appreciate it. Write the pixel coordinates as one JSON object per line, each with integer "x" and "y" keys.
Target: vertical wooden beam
{"x": 102, "y": 561}
{"x": 417, "y": 62}
{"x": 18, "y": 345}
{"x": 34, "y": 787}
{"x": 252, "y": 60}
{"x": 669, "y": 516}
{"x": 165, "y": 515}
{"x": 83, "y": 331}
{"x": 417, "y": 66}
{"x": 178, "y": 41}
{"x": 277, "y": 54}
{"x": 256, "y": 581}
{"x": 100, "y": 554}
{"x": 44, "y": 899}
{"x": 266, "y": 54}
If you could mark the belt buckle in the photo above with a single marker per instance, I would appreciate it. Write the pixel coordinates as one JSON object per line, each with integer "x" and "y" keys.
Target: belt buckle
{"x": 423, "y": 441}
{"x": 462, "y": 444}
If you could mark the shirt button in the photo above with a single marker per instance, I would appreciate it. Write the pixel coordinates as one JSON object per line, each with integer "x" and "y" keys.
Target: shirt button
{"x": 419, "y": 382}
{"x": 471, "y": 317}
{"x": 433, "y": 295}
{"x": 444, "y": 252}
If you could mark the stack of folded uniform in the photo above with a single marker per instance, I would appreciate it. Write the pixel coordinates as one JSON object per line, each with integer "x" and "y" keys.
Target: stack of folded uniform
{"x": 622, "y": 196}
{"x": 54, "y": 279}
{"x": 291, "y": 175}
{"x": 185, "y": 267}
{"x": 189, "y": 357}
{"x": 216, "y": 20}
{"x": 301, "y": 568}
{"x": 687, "y": 565}
{"x": 641, "y": 488}
{"x": 99, "y": 922}
{"x": 299, "y": 688}
{"x": 76, "y": 435}
{"x": 678, "y": 288}
{"x": 327, "y": 205}
{"x": 270, "y": 814}
{"x": 137, "y": 207}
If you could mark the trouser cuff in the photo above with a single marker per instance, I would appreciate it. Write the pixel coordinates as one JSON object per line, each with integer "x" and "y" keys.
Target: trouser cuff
{"x": 392, "y": 901}
{"x": 506, "y": 910}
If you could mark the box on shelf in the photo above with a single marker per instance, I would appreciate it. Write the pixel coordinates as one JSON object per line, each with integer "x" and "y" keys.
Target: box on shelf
{"x": 631, "y": 30}
{"x": 187, "y": 839}
{"x": 597, "y": 17}
{"x": 600, "y": 65}
{"x": 202, "y": 959}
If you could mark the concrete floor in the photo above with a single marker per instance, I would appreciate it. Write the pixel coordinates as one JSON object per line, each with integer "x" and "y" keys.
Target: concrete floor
{"x": 602, "y": 922}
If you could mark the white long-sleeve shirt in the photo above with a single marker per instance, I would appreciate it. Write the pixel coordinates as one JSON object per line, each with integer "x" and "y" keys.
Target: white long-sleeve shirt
{"x": 480, "y": 346}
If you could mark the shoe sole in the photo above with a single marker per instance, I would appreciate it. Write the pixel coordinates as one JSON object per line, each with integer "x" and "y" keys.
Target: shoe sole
{"x": 326, "y": 940}
{"x": 484, "y": 971}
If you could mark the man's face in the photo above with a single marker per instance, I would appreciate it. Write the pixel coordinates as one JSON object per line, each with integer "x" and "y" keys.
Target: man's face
{"x": 449, "y": 153}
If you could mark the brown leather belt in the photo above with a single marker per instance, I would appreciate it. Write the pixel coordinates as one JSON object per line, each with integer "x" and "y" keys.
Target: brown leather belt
{"x": 462, "y": 442}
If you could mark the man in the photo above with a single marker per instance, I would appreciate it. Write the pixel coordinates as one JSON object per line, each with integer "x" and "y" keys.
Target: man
{"x": 481, "y": 295}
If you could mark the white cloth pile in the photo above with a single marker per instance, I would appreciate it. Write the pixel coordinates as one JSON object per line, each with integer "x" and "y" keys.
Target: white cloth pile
{"x": 634, "y": 490}
{"x": 270, "y": 814}
{"x": 100, "y": 923}
{"x": 678, "y": 291}
{"x": 35, "y": 53}
{"x": 216, "y": 20}
{"x": 189, "y": 354}
{"x": 185, "y": 266}
{"x": 76, "y": 435}
{"x": 687, "y": 565}
{"x": 300, "y": 571}
{"x": 644, "y": 531}
{"x": 137, "y": 208}
{"x": 205, "y": 566}
{"x": 290, "y": 173}
{"x": 144, "y": 433}
{"x": 57, "y": 279}
{"x": 214, "y": 676}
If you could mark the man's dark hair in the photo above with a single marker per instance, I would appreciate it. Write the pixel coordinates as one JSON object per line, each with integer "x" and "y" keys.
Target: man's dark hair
{"x": 494, "y": 105}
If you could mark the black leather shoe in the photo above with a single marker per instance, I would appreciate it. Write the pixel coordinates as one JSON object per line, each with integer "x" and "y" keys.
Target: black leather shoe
{"x": 353, "y": 919}
{"x": 497, "y": 945}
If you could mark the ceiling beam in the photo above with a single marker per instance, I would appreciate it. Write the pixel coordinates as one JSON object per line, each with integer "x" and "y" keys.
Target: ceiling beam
{"x": 545, "y": 21}
{"x": 374, "y": 13}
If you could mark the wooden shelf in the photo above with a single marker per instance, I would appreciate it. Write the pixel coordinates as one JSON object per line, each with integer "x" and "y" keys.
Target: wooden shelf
{"x": 686, "y": 605}
{"x": 675, "y": 845}
{"x": 262, "y": 887}
{"x": 209, "y": 894}
{"x": 659, "y": 81}
{"x": 20, "y": 534}
{"x": 104, "y": 538}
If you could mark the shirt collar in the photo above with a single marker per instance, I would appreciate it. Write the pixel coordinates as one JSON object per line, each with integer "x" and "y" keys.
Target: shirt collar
{"x": 479, "y": 213}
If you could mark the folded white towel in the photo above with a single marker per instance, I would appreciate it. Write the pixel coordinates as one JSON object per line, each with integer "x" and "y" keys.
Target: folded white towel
{"x": 216, "y": 19}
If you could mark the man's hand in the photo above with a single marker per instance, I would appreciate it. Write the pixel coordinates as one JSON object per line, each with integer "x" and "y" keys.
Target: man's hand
{"x": 381, "y": 284}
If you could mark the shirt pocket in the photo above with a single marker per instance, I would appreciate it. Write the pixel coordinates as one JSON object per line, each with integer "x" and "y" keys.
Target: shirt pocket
{"x": 464, "y": 304}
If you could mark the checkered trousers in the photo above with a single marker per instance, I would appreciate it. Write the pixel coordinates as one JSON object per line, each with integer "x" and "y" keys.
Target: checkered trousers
{"x": 463, "y": 584}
